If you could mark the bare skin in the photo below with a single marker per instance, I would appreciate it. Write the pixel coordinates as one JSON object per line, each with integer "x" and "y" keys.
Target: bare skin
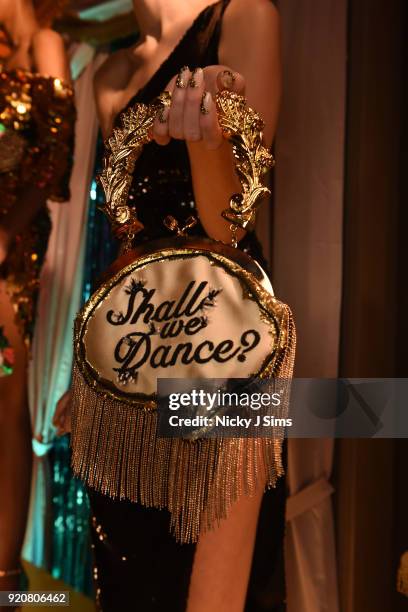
{"x": 41, "y": 51}
{"x": 250, "y": 48}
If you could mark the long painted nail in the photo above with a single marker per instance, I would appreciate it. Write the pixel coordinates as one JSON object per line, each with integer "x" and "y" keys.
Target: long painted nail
{"x": 196, "y": 78}
{"x": 163, "y": 115}
{"x": 227, "y": 79}
{"x": 182, "y": 81}
{"x": 206, "y": 102}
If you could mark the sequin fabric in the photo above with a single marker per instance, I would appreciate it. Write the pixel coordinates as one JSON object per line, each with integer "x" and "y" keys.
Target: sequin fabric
{"x": 37, "y": 117}
{"x": 6, "y": 355}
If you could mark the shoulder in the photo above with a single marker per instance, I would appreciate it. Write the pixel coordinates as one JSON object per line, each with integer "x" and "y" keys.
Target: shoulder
{"x": 245, "y": 14}
{"x": 250, "y": 25}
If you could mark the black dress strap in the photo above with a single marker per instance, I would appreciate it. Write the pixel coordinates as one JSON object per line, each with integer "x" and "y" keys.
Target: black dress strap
{"x": 214, "y": 33}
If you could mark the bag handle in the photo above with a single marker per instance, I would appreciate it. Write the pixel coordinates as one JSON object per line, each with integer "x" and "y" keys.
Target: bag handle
{"x": 241, "y": 125}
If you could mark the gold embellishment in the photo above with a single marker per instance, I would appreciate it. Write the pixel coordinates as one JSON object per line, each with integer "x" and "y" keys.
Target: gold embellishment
{"x": 180, "y": 82}
{"x": 203, "y": 109}
{"x": 116, "y": 451}
{"x": 243, "y": 126}
{"x": 173, "y": 225}
{"x": 123, "y": 147}
{"x": 240, "y": 124}
{"x": 227, "y": 78}
{"x": 234, "y": 240}
{"x": 192, "y": 82}
{"x": 161, "y": 115}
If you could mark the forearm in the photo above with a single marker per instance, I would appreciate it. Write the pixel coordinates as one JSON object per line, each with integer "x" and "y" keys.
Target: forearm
{"x": 214, "y": 182}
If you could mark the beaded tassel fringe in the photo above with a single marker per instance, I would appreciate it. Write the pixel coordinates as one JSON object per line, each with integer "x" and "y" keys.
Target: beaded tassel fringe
{"x": 117, "y": 452}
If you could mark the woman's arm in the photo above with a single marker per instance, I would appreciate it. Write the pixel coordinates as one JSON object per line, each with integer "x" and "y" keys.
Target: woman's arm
{"x": 250, "y": 47}
{"x": 49, "y": 55}
{"x": 250, "y": 44}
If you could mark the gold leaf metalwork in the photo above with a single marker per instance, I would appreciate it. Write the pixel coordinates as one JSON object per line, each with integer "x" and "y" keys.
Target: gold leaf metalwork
{"x": 243, "y": 127}
{"x": 122, "y": 150}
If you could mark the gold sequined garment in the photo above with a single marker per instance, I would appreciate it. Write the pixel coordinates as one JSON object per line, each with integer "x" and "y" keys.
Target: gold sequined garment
{"x": 37, "y": 117}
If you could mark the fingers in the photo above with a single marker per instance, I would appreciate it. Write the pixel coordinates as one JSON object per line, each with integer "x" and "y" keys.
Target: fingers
{"x": 218, "y": 78}
{"x": 210, "y": 128}
{"x": 194, "y": 94}
{"x": 192, "y": 114}
{"x": 233, "y": 81}
{"x": 176, "y": 117}
{"x": 161, "y": 127}
{"x": 182, "y": 120}
{"x": 170, "y": 121}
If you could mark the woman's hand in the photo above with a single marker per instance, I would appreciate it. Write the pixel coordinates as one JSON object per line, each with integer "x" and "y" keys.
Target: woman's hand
{"x": 62, "y": 416}
{"x": 192, "y": 115}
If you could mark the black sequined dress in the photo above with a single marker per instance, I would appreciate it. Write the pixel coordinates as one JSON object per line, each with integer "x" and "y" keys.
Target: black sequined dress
{"x": 138, "y": 564}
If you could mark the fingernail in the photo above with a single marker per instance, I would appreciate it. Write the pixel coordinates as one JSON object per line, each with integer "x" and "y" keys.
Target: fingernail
{"x": 164, "y": 114}
{"x": 182, "y": 81}
{"x": 206, "y": 102}
{"x": 227, "y": 79}
{"x": 196, "y": 78}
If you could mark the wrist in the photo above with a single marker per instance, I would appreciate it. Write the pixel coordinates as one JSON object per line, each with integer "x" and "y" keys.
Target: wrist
{"x": 222, "y": 150}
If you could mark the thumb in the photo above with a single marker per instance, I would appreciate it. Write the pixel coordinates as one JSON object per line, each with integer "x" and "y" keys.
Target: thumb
{"x": 233, "y": 81}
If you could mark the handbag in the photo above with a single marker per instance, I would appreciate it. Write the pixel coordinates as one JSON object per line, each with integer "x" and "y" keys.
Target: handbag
{"x": 179, "y": 307}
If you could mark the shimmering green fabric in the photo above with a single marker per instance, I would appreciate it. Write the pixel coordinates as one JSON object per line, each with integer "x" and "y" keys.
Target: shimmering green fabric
{"x": 71, "y": 552}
